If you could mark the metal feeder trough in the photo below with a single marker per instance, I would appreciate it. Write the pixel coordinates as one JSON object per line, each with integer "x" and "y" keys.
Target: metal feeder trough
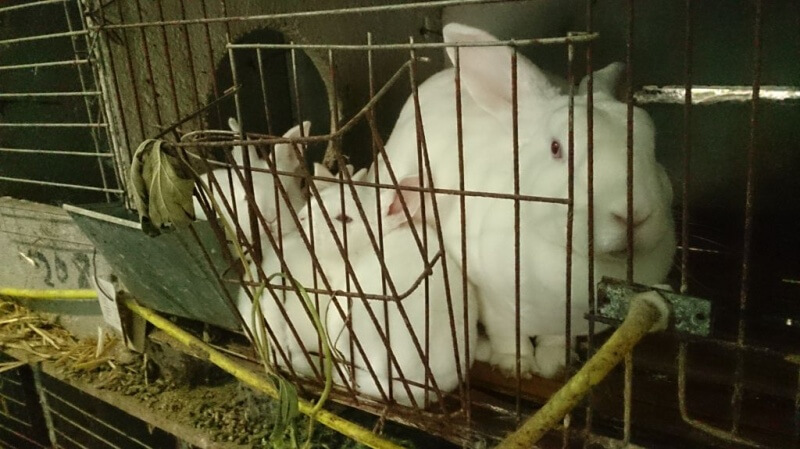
{"x": 168, "y": 273}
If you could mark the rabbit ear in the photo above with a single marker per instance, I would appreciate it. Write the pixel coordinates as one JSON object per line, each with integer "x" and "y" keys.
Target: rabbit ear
{"x": 322, "y": 171}
{"x": 605, "y": 80}
{"x": 236, "y": 153}
{"x": 234, "y": 125}
{"x": 395, "y": 216}
{"x": 360, "y": 175}
{"x": 486, "y": 71}
{"x": 285, "y": 156}
{"x": 238, "y": 157}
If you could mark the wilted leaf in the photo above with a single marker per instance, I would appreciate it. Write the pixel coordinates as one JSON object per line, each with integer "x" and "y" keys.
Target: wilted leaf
{"x": 162, "y": 193}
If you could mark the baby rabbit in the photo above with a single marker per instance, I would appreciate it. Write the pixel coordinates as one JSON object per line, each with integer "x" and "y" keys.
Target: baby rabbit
{"x": 488, "y": 157}
{"x": 287, "y": 316}
{"x": 429, "y": 341}
{"x": 264, "y": 188}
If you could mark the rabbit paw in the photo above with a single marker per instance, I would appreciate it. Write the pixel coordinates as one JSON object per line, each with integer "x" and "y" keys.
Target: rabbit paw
{"x": 550, "y": 355}
{"x": 549, "y": 361}
{"x": 507, "y": 362}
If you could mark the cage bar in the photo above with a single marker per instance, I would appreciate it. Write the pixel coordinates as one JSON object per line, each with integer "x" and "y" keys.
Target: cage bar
{"x": 709, "y": 95}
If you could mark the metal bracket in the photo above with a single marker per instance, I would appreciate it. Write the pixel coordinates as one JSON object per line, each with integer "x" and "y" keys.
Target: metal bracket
{"x": 688, "y": 314}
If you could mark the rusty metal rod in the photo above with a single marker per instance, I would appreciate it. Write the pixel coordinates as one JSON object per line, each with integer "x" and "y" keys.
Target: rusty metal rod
{"x": 749, "y": 200}
{"x": 91, "y": 93}
{"x": 54, "y": 152}
{"x": 29, "y": 5}
{"x": 40, "y": 37}
{"x": 578, "y": 37}
{"x": 37, "y": 65}
{"x": 706, "y": 95}
{"x": 53, "y": 125}
{"x": 60, "y": 184}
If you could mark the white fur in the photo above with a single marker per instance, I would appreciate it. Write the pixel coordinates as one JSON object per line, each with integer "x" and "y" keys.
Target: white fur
{"x": 488, "y": 167}
{"x": 405, "y": 262}
{"x": 302, "y": 337}
{"x": 286, "y": 306}
{"x": 264, "y": 187}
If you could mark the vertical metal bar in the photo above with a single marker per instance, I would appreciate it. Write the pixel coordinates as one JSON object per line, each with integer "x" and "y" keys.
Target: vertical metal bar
{"x": 628, "y": 396}
{"x": 334, "y": 124}
{"x": 48, "y": 419}
{"x": 629, "y": 170}
{"x": 590, "y": 204}
{"x": 211, "y": 60}
{"x": 252, "y": 210}
{"x": 571, "y": 198}
{"x": 570, "y": 218}
{"x": 296, "y": 85}
{"x": 263, "y": 80}
{"x": 149, "y": 66}
{"x": 683, "y": 408}
{"x": 517, "y": 254}
{"x": 422, "y": 166}
{"x": 379, "y": 221}
{"x": 422, "y": 244}
{"x": 462, "y": 206}
{"x": 87, "y": 101}
{"x": 106, "y": 79}
{"x": 736, "y": 399}
{"x": 190, "y": 56}
{"x": 797, "y": 411}
{"x": 687, "y": 151}
{"x": 168, "y": 57}
{"x": 129, "y": 64}
{"x": 687, "y": 148}
{"x": 423, "y": 151}
{"x": 629, "y": 225}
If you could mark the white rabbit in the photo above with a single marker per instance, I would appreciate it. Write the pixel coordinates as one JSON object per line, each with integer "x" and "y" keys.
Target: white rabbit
{"x": 488, "y": 143}
{"x": 300, "y": 338}
{"x": 300, "y": 344}
{"x": 443, "y": 343}
{"x": 264, "y": 187}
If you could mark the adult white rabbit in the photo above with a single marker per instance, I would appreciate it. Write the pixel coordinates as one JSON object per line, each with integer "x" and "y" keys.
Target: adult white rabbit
{"x": 488, "y": 153}
{"x": 430, "y": 340}
{"x": 264, "y": 187}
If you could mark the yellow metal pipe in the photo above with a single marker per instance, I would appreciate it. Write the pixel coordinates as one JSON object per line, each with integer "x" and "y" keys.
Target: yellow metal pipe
{"x": 324, "y": 417}
{"x": 48, "y": 294}
{"x": 645, "y": 312}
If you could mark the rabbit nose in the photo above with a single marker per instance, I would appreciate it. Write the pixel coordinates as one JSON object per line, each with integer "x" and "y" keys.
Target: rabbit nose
{"x": 639, "y": 218}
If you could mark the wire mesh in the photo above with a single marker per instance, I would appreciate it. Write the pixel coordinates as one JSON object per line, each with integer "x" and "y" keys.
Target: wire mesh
{"x": 162, "y": 66}
{"x": 21, "y": 421}
{"x": 54, "y": 163}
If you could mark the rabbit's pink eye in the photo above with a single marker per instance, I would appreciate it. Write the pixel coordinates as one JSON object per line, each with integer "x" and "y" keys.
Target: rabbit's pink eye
{"x": 555, "y": 149}
{"x": 343, "y": 218}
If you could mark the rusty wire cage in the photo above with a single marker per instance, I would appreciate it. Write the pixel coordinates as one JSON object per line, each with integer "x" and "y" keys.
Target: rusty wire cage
{"x": 178, "y": 70}
{"x": 55, "y": 144}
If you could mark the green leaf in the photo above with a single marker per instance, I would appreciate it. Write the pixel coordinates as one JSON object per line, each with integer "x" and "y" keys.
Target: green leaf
{"x": 287, "y": 406}
{"x": 162, "y": 192}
